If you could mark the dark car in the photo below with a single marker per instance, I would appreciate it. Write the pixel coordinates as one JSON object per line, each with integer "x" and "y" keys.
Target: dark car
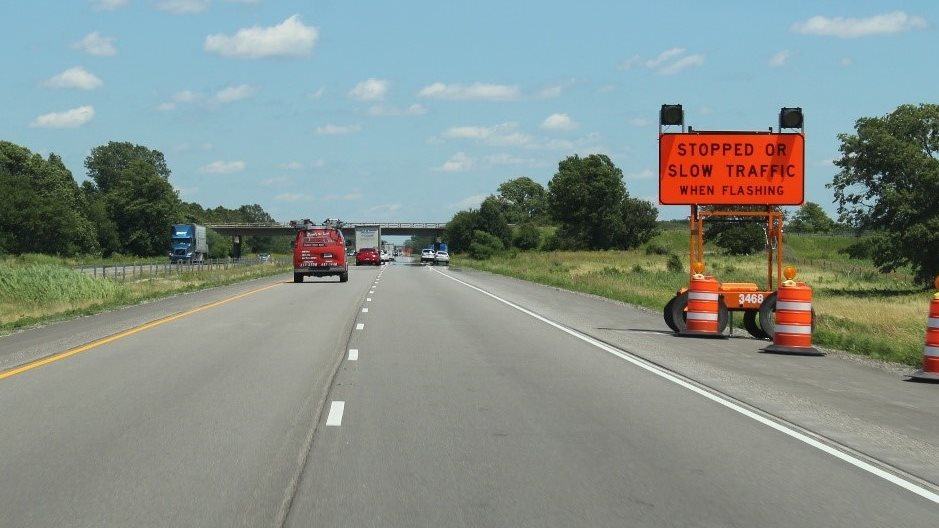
{"x": 367, "y": 256}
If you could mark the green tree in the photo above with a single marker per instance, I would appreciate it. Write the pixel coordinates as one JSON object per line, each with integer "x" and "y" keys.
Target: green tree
{"x": 459, "y": 231}
{"x": 811, "y": 218}
{"x": 527, "y": 237}
{"x": 737, "y": 235}
{"x": 524, "y": 200}
{"x": 143, "y": 206}
{"x": 484, "y": 245}
{"x": 42, "y": 209}
{"x": 107, "y": 164}
{"x": 588, "y": 198}
{"x": 492, "y": 220}
{"x": 889, "y": 185}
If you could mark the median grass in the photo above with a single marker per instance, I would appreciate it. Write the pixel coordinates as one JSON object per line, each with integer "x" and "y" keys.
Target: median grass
{"x": 859, "y": 309}
{"x": 33, "y": 292}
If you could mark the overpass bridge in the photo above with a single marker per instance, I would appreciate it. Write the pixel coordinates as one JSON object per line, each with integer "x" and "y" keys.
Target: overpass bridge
{"x": 349, "y": 230}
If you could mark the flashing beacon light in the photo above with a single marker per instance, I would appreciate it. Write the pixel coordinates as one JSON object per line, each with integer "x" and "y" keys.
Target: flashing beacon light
{"x": 936, "y": 282}
{"x": 698, "y": 267}
{"x": 790, "y": 272}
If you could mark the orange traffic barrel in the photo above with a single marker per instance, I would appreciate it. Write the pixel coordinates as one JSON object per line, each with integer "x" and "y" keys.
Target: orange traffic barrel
{"x": 793, "y": 326}
{"x": 930, "y": 371}
{"x": 704, "y": 307}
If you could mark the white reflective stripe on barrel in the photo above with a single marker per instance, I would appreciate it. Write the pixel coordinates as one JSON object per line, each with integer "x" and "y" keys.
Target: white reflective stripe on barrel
{"x": 793, "y": 329}
{"x": 702, "y": 316}
{"x": 932, "y": 322}
{"x": 931, "y": 351}
{"x": 698, "y": 296}
{"x": 794, "y": 306}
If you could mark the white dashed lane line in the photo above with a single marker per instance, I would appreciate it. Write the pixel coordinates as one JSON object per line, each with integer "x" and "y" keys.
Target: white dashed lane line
{"x": 360, "y": 326}
{"x": 336, "y": 409}
{"x": 364, "y": 310}
{"x": 353, "y": 354}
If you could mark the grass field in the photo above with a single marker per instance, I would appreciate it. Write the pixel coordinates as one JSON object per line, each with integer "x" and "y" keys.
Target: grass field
{"x": 859, "y": 309}
{"x": 36, "y": 290}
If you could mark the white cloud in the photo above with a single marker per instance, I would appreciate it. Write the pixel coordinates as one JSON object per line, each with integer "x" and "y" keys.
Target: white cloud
{"x": 885, "y": 24}
{"x": 318, "y": 93}
{"x": 166, "y": 107}
{"x": 73, "y": 118}
{"x": 504, "y": 134}
{"x": 290, "y": 38}
{"x": 470, "y": 202}
{"x": 394, "y": 111}
{"x": 459, "y": 162}
{"x": 555, "y": 90}
{"x": 846, "y": 61}
{"x": 384, "y": 209}
{"x": 233, "y": 93}
{"x": 293, "y": 197}
{"x": 508, "y": 159}
{"x": 223, "y": 167}
{"x": 559, "y": 122}
{"x": 183, "y": 7}
{"x": 76, "y": 77}
{"x": 664, "y": 57}
{"x": 96, "y": 44}
{"x": 278, "y": 181}
{"x": 681, "y": 64}
{"x": 780, "y": 59}
{"x": 186, "y": 96}
{"x": 330, "y": 129}
{"x": 107, "y": 5}
{"x": 669, "y": 62}
{"x": 475, "y": 91}
{"x": 645, "y": 174}
{"x": 291, "y": 165}
{"x": 370, "y": 90}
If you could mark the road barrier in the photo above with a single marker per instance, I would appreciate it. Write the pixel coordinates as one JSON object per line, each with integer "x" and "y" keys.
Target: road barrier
{"x": 124, "y": 272}
{"x": 704, "y": 308}
{"x": 792, "y": 330}
{"x": 930, "y": 370}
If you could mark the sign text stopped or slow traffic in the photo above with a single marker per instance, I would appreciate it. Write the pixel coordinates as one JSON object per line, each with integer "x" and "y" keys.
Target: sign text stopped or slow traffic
{"x": 705, "y": 168}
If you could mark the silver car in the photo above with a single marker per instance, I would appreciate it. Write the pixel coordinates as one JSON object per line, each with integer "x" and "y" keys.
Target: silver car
{"x": 442, "y": 257}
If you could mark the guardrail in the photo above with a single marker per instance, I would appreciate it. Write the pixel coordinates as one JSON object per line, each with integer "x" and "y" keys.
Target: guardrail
{"x": 123, "y": 272}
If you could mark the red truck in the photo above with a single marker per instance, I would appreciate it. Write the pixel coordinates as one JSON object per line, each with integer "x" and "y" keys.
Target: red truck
{"x": 319, "y": 250}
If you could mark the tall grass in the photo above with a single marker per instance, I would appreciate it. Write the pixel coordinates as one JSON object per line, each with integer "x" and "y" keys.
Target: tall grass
{"x": 32, "y": 293}
{"x": 859, "y": 309}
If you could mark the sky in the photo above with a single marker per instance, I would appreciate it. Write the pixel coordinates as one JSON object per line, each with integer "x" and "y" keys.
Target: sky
{"x": 413, "y": 110}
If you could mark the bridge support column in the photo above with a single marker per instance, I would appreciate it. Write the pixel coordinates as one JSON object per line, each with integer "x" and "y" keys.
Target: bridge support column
{"x": 236, "y": 247}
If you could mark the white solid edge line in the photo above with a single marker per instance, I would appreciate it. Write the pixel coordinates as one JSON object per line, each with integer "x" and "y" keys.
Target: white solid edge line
{"x": 336, "y": 409}
{"x": 854, "y": 461}
{"x": 353, "y": 354}
{"x": 360, "y": 326}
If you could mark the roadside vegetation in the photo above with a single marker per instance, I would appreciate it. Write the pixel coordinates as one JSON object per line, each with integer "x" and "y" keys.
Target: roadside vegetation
{"x": 871, "y": 270}
{"x": 859, "y": 308}
{"x": 37, "y": 289}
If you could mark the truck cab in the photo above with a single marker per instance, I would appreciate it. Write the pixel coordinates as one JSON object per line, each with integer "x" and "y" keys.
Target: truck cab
{"x": 319, "y": 251}
{"x": 188, "y": 244}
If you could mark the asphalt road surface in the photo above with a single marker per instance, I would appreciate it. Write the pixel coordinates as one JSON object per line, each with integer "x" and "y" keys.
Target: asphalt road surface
{"x": 416, "y": 396}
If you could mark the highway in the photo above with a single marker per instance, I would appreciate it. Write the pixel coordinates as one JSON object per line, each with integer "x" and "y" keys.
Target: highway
{"x": 419, "y": 396}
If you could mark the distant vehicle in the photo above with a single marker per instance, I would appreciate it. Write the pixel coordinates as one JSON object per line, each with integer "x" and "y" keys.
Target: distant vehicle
{"x": 367, "y": 256}
{"x": 442, "y": 257}
{"x": 188, "y": 244}
{"x": 319, "y": 251}
{"x": 427, "y": 256}
{"x": 386, "y": 257}
{"x": 350, "y": 252}
{"x": 264, "y": 257}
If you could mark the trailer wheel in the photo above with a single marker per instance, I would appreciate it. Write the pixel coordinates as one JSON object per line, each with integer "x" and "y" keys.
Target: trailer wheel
{"x": 768, "y": 316}
{"x": 298, "y": 277}
{"x": 752, "y": 326}
{"x": 668, "y": 315}
{"x": 679, "y": 315}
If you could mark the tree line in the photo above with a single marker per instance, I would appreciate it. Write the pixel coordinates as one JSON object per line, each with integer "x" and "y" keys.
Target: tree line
{"x": 585, "y": 206}
{"x": 887, "y": 187}
{"x": 126, "y": 206}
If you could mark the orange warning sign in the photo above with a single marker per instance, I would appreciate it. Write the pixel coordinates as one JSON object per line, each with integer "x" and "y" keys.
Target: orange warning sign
{"x": 727, "y": 168}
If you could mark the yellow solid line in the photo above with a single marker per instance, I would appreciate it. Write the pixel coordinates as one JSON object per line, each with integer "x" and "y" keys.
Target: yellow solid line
{"x": 94, "y": 344}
